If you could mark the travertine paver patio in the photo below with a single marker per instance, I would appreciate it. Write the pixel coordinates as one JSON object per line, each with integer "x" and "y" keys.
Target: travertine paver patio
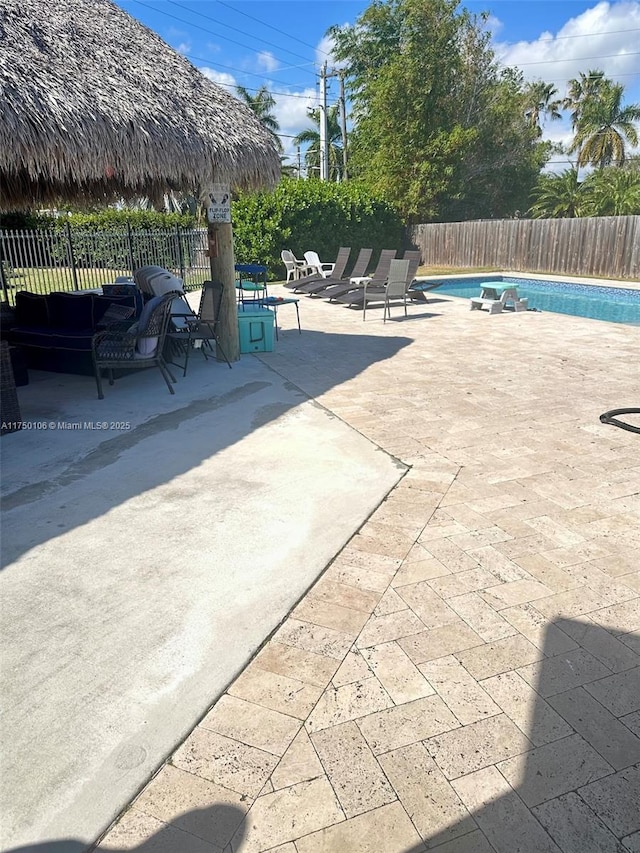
{"x": 465, "y": 675}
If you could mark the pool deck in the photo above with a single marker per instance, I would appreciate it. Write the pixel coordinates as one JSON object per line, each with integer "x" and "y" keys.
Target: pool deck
{"x": 465, "y": 674}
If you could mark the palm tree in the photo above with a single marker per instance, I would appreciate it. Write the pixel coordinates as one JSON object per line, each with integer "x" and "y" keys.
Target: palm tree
{"x": 262, "y": 104}
{"x": 559, "y": 196}
{"x": 615, "y": 192}
{"x": 582, "y": 90}
{"x": 605, "y": 127}
{"x": 539, "y": 103}
{"x": 311, "y": 136}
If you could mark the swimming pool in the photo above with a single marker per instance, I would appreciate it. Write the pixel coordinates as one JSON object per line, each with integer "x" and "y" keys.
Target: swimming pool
{"x": 615, "y": 304}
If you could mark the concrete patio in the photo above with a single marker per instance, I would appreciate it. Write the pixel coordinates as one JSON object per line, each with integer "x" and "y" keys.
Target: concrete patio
{"x": 464, "y": 676}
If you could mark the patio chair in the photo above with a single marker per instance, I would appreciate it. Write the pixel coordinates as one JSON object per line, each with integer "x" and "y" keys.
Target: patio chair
{"x": 393, "y": 290}
{"x": 156, "y": 281}
{"x": 314, "y": 283}
{"x": 320, "y": 286}
{"x": 418, "y": 290}
{"x": 323, "y": 268}
{"x": 414, "y": 256}
{"x": 143, "y": 276}
{"x": 137, "y": 346}
{"x": 378, "y": 277}
{"x": 295, "y": 268}
{"x": 201, "y": 327}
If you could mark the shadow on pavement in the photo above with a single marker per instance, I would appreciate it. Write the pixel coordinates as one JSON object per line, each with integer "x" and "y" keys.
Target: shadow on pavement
{"x": 566, "y": 778}
{"x": 573, "y": 783}
{"x": 193, "y": 833}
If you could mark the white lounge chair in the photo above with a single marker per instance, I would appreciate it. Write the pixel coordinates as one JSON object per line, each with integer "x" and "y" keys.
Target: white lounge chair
{"x": 321, "y": 267}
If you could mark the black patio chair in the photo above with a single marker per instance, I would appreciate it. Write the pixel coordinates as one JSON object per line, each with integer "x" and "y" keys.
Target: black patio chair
{"x": 135, "y": 346}
{"x": 199, "y": 330}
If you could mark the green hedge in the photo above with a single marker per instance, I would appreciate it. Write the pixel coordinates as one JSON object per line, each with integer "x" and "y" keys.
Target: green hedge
{"x": 102, "y": 220}
{"x": 312, "y": 215}
{"x": 100, "y": 239}
{"x": 297, "y": 215}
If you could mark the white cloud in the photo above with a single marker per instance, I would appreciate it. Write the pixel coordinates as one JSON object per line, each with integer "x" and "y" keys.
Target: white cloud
{"x": 603, "y": 37}
{"x": 324, "y": 52}
{"x": 291, "y": 114}
{"x": 183, "y": 47}
{"x": 493, "y": 25}
{"x": 228, "y": 81}
{"x": 267, "y": 61}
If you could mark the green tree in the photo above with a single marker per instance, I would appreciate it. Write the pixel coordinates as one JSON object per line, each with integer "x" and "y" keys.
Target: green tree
{"x": 605, "y": 127}
{"x": 581, "y": 91}
{"x": 560, "y": 196}
{"x": 438, "y": 129}
{"x": 311, "y": 137}
{"x": 540, "y": 104}
{"x": 262, "y": 104}
{"x": 614, "y": 192}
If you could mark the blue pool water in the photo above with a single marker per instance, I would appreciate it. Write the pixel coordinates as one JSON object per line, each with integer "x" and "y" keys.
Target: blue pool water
{"x": 615, "y": 304}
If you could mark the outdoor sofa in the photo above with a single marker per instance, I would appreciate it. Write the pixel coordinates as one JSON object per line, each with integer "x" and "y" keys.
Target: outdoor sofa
{"x": 55, "y": 330}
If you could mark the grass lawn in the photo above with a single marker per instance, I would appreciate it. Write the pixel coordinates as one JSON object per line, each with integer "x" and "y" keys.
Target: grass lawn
{"x": 48, "y": 279}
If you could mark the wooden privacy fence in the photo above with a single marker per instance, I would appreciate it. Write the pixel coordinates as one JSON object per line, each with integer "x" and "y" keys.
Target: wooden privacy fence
{"x": 607, "y": 246}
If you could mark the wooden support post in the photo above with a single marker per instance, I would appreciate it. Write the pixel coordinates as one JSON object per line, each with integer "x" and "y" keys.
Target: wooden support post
{"x": 222, "y": 263}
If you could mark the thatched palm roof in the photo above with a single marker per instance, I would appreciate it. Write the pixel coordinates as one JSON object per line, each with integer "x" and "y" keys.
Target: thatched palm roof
{"x": 92, "y": 103}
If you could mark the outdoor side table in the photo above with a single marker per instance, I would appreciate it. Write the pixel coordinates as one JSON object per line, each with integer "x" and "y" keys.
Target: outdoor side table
{"x": 251, "y": 278}
{"x": 275, "y": 302}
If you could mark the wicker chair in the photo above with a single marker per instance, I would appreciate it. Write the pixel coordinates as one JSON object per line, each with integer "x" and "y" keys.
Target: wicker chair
{"x": 137, "y": 346}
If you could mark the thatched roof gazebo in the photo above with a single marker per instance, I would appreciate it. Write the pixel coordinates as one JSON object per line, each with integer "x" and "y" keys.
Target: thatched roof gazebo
{"x": 93, "y": 105}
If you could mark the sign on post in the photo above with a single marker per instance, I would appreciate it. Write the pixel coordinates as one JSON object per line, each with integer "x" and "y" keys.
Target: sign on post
{"x": 219, "y": 203}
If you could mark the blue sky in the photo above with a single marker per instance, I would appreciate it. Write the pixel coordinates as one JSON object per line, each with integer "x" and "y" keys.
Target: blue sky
{"x": 282, "y": 44}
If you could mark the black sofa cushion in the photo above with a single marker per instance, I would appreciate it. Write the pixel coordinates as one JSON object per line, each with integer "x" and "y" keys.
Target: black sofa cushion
{"x": 73, "y": 311}
{"x": 31, "y": 309}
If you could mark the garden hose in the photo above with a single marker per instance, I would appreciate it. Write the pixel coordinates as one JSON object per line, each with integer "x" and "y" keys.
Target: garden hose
{"x": 609, "y": 418}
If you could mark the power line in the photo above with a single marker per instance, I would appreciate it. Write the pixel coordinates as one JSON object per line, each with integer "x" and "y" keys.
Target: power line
{"x": 235, "y": 29}
{"x": 578, "y": 59}
{"x": 581, "y": 35}
{"x": 211, "y": 32}
{"x": 250, "y": 73}
{"x": 275, "y": 29}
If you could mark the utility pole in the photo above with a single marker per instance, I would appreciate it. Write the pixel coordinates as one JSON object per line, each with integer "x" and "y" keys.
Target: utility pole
{"x": 324, "y": 150}
{"x": 343, "y": 116}
{"x": 299, "y": 163}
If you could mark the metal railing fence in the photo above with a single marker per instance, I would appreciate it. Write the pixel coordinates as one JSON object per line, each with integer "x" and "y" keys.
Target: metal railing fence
{"x": 67, "y": 259}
